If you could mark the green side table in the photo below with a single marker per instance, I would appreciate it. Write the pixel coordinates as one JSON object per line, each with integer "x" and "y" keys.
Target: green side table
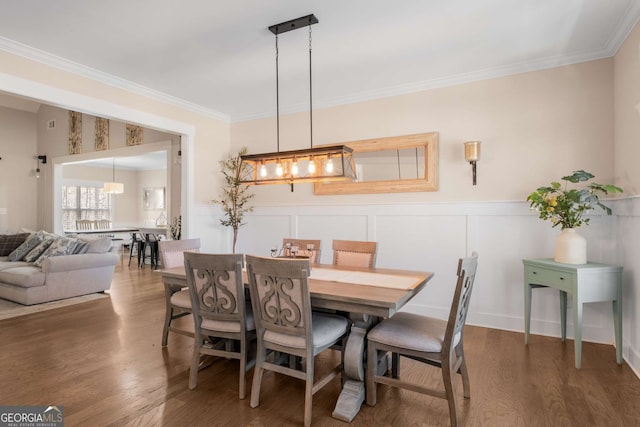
{"x": 589, "y": 282}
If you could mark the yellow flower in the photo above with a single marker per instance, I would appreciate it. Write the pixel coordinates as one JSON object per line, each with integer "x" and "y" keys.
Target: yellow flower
{"x": 550, "y": 209}
{"x": 554, "y": 201}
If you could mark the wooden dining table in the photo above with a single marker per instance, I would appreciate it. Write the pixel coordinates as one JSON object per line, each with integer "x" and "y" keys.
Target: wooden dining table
{"x": 368, "y": 295}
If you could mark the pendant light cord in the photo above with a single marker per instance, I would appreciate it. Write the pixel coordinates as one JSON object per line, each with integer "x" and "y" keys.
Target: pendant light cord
{"x": 310, "y": 90}
{"x": 277, "y": 100}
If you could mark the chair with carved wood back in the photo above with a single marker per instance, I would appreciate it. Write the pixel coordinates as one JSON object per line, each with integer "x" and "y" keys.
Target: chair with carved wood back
{"x": 221, "y": 315}
{"x": 426, "y": 339}
{"x": 305, "y": 247}
{"x": 177, "y": 299}
{"x": 354, "y": 253}
{"x": 284, "y": 323}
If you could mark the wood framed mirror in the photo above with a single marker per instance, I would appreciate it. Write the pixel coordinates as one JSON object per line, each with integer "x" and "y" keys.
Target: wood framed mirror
{"x": 394, "y": 164}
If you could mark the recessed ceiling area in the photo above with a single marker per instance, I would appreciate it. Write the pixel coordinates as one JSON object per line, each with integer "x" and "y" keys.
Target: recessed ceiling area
{"x": 219, "y": 56}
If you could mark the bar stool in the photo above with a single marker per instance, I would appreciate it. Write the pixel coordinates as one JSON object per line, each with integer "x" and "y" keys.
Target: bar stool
{"x": 151, "y": 240}
{"x": 137, "y": 247}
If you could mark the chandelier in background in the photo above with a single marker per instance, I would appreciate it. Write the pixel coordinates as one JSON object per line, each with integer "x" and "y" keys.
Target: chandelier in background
{"x": 114, "y": 187}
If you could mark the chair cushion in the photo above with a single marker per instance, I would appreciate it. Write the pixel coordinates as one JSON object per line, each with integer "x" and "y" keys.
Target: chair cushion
{"x": 410, "y": 331}
{"x": 181, "y": 299}
{"x": 326, "y": 330}
{"x": 226, "y": 326}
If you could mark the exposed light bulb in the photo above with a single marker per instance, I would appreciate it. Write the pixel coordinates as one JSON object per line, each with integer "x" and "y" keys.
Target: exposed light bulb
{"x": 37, "y": 173}
{"x": 312, "y": 167}
{"x": 279, "y": 171}
{"x": 329, "y": 166}
{"x": 263, "y": 171}
{"x": 294, "y": 167}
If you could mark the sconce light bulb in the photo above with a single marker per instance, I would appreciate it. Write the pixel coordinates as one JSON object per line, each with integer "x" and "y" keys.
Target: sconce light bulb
{"x": 37, "y": 173}
{"x": 279, "y": 171}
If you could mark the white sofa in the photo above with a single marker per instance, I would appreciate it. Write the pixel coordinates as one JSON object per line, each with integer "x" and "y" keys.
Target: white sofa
{"x": 56, "y": 273}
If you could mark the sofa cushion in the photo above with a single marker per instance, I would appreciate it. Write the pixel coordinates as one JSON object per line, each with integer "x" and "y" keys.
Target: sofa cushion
{"x": 8, "y": 242}
{"x": 95, "y": 245}
{"x": 35, "y": 253}
{"x": 26, "y": 276}
{"x": 5, "y": 263}
{"x": 62, "y": 246}
{"x": 30, "y": 242}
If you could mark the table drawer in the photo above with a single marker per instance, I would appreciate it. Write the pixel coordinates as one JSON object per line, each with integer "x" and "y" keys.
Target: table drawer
{"x": 542, "y": 276}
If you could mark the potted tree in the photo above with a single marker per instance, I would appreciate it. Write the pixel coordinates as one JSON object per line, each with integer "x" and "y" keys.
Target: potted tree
{"x": 235, "y": 195}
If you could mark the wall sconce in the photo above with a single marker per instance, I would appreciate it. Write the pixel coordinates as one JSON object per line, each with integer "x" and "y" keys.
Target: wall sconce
{"x": 472, "y": 155}
{"x": 39, "y": 159}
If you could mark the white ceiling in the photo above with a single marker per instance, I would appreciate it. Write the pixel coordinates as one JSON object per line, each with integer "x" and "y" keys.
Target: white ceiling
{"x": 219, "y": 57}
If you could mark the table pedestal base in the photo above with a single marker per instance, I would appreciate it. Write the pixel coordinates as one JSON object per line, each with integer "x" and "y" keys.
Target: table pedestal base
{"x": 350, "y": 400}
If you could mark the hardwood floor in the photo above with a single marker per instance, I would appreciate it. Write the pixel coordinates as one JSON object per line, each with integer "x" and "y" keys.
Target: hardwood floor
{"x": 103, "y": 362}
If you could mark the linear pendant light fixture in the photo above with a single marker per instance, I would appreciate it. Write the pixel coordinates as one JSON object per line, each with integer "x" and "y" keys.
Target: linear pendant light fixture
{"x": 326, "y": 163}
{"x": 114, "y": 187}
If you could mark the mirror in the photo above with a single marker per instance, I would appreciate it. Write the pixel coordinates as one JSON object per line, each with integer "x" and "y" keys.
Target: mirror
{"x": 153, "y": 198}
{"x": 390, "y": 165}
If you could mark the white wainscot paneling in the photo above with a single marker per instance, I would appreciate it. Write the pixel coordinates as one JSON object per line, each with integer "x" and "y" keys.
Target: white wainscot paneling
{"x": 214, "y": 238}
{"x": 424, "y": 243}
{"x": 629, "y": 253}
{"x": 261, "y": 232}
{"x": 498, "y": 296}
{"x": 327, "y": 228}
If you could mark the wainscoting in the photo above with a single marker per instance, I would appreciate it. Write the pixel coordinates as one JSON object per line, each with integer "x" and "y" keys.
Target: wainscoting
{"x": 432, "y": 236}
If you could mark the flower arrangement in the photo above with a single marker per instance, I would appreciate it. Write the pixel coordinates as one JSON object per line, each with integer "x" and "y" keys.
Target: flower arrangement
{"x": 566, "y": 207}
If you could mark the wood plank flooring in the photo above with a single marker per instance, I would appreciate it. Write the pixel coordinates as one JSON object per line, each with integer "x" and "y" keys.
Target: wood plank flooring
{"x": 103, "y": 362}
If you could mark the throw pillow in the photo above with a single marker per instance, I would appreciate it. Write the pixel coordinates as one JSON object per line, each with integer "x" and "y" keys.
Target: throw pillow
{"x": 31, "y": 242}
{"x": 38, "y": 250}
{"x": 96, "y": 245}
{"x": 8, "y": 242}
{"x": 59, "y": 247}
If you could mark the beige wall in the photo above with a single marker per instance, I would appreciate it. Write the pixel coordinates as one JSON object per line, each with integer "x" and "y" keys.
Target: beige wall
{"x": 18, "y": 185}
{"x": 627, "y": 113}
{"x": 211, "y": 135}
{"x": 534, "y": 127}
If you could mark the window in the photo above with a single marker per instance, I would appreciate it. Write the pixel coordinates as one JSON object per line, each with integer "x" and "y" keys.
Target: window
{"x": 84, "y": 202}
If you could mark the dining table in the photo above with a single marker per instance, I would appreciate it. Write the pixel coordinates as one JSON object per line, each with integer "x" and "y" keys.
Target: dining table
{"x": 367, "y": 295}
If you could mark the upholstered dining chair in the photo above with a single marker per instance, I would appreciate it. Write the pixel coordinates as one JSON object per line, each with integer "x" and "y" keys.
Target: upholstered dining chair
{"x": 305, "y": 247}
{"x": 84, "y": 224}
{"x": 354, "y": 253}
{"x": 284, "y": 323}
{"x": 221, "y": 315}
{"x": 426, "y": 339}
{"x": 177, "y": 299}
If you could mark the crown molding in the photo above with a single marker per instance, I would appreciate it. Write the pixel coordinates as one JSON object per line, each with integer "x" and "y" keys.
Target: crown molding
{"x": 54, "y": 61}
{"x": 627, "y": 23}
{"x": 436, "y": 83}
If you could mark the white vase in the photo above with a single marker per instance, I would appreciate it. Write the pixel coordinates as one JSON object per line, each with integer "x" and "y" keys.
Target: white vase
{"x": 571, "y": 247}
